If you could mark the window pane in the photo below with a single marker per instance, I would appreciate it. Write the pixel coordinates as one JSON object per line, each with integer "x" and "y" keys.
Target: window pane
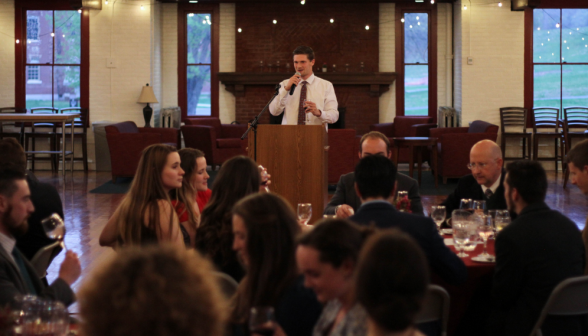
{"x": 416, "y": 38}
{"x": 546, "y": 86}
{"x": 39, "y": 39}
{"x": 575, "y": 85}
{"x": 198, "y": 90}
{"x": 416, "y": 90}
{"x": 546, "y": 37}
{"x": 38, "y": 92}
{"x": 67, "y": 37}
{"x": 66, "y": 81}
{"x": 575, "y": 35}
{"x": 199, "y": 26}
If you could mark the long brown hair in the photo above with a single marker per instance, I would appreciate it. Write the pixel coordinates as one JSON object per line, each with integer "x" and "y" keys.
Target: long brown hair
{"x": 187, "y": 193}
{"x": 271, "y": 232}
{"x": 142, "y": 198}
{"x": 237, "y": 178}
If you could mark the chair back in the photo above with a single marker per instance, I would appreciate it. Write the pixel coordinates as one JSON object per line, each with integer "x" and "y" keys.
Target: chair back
{"x": 82, "y": 121}
{"x": 435, "y": 307}
{"x": 214, "y": 122}
{"x": 403, "y": 124}
{"x": 546, "y": 117}
{"x": 13, "y": 110}
{"x": 122, "y": 127}
{"x": 576, "y": 117}
{"x": 43, "y": 258}
{"x": 514, "y": 118}
{"x": 45, "y": 110}
{"x": 227, "y": 284}
{"x": 568, "y": 298}
{"x": 480, "y": 126}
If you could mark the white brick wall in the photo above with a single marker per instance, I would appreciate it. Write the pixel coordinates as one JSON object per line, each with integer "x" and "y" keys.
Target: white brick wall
{"x": 156, "y": 60}
{"x": 457, "y": 55}
{"x": 7, "y": 46}
{"x": 227, "y": 60}
{"x": 444, "y": 70}
{"x": 169, "y": 55}
{"x": 387, "y": 59}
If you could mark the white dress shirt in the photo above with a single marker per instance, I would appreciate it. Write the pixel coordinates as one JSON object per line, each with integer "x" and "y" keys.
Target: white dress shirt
{"x": 319, "y": 91}
{"x": 493, "y": 187}
{"x": 8, "y": 244}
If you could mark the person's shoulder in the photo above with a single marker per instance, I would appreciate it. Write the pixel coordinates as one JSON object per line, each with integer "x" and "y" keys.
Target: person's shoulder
{"x": 402, "y": 178}
{"x": 322, "y": 81}
{"x": 349, "y": 177}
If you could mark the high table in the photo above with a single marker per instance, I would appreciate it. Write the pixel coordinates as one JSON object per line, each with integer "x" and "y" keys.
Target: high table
{"x": 417, "y": 142}
{"x": 62, "y": 118}
{"x": 469, "y": 300}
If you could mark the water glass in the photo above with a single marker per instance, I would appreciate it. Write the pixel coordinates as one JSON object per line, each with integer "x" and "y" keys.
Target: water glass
{"x": 262, "y": 321}
{"x": 54, "y": 228}
{"x": 304, "y": 212}
{"x": 485, "y": 230}
{"x": 502, "y": 220}
{"x": 466, "y": 204}
{"x": 479, "y": 207}
{"x": 472, "y": 226}
{"x": 492, "y": 214}
{"x": 460, "y": 220}
{"x": 438, "y": 214}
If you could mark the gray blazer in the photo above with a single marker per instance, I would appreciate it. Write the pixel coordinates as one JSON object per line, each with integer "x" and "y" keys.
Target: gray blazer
{"x": 345, "y": 193}
{"x": 12, "y": 283}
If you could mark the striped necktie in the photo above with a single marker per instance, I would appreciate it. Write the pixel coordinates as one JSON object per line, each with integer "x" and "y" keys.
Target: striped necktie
{"x": 301, "y": 112}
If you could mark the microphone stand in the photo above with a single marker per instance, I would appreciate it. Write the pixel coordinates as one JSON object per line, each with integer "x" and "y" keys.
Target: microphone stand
{"x": 255, "y": 121}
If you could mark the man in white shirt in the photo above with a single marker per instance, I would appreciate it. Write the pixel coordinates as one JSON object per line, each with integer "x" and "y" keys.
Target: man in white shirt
{"x": 313, "y": 101}
{"x": 17, "y": 275}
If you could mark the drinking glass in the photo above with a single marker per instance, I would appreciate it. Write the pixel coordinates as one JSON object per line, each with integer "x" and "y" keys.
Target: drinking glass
{"x": 402, "y": 201}
{"x": 502, "y": 220}
{"x": 472, "y": 225}
{"x": 54, "y": 228}
{"x": 466, "y": 204}
{"x": 438, "y": 214}
{"x": 304, "y": 212}
{"x": 262, "y": 321}
{"x": 479, "y": 207}
{"x": 306, "y": 114}
{"x": 485, "y": 230}
{"x": 492, "y": 214}
{"x": 460, "y": 220}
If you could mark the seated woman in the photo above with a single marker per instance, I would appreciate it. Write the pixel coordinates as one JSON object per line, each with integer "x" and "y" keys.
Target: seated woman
{"x": 265, "y": 228}
{"x": 146, "y": 215}
{"x": 195, "y": 181}
{"x": 237, "y": 178}
{"x": 158, "y": 290}
{"x": 327, "y": 256}
{"x": 392, "y": 279}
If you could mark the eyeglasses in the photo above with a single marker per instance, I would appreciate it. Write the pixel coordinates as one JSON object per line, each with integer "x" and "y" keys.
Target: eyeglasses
{"x": 473, "y": 166}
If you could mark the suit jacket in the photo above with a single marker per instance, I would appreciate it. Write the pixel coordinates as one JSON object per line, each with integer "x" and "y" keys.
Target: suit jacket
{"x": 468, "y": 187}
{"x": 345, "y": 193}
{"x": 534, "y": 253}
{"x": 12, "y": 283}
{"x": 422, "y": 229}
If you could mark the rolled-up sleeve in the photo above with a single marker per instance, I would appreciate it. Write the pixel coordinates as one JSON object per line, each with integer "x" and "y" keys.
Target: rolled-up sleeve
{"x": 330, "y": 113}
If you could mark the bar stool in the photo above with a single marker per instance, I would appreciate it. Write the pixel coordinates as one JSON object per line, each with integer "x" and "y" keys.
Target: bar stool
{"x": 548, "y": 118}
{"x": 18, "y": 135}
{"x": 80, "y": 131}
{"x": 51, "y": 135}
{"x": 515, "y": 118}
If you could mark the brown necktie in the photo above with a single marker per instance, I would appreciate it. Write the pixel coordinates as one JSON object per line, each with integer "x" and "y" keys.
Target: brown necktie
{"x": 488, "y": 193}
{"x": 301, "y": 113}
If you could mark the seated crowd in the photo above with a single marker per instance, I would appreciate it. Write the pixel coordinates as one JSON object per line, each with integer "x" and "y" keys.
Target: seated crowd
{"x": 364, "y": 273}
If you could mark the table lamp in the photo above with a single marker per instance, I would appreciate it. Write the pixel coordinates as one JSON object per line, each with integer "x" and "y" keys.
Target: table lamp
{"x": 147, "y": 96}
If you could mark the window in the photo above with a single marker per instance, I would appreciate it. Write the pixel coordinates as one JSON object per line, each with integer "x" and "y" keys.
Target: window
{"x": 33, "y": 76}
{"x": 560, "y": 58}
{"x": 198, "y": 60}
{"x": 416, "y": 60}
{"x": 32, "y": 28}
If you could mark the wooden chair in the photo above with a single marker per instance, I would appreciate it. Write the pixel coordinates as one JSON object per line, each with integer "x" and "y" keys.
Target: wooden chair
{"x": 80, "y": 131}
{"x": 515, "y": 119}
{"x": 51, "y": 135}
{"x": 548, "y": 118}
{"x": 18, "y": 135}
{"x": 435, "y": 308}
{"x": 576, "y": 118}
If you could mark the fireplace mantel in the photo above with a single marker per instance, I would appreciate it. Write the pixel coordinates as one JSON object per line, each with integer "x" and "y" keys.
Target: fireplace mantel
{"x": 378, "y": 82}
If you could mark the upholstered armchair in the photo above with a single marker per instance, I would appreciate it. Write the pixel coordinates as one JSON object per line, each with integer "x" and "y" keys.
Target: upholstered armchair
{"x": 454, "y": 145}
{"x": 406, "y": 126}
{"x": 342, "y": 153}
{"x": 126, "y": 142}
{"x": 219, "y": 142}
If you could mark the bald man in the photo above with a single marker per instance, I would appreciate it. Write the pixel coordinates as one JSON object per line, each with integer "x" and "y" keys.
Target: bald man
{"x": 486, "y": 180}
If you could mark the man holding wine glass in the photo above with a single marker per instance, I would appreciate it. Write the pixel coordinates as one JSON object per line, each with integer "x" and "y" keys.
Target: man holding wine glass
{"x": 17, "y": 275}
{"x": 538, "y": 250}
{"x": 304, "y": 98}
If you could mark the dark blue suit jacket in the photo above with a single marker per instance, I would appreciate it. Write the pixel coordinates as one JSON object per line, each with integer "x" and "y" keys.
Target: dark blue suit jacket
{"x": 441, "y": 259}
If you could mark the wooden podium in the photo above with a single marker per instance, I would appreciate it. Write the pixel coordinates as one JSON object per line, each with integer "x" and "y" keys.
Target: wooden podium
{"x": 296, "y": 158}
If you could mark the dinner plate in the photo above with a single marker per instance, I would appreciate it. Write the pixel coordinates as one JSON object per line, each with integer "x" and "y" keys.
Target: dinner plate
{"x": 484, "y": 259}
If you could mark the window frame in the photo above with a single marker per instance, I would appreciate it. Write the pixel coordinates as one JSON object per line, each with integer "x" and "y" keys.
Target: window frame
{"x": 183, "y": 10}
{"x": 431, "y": 11}
{"x": 21, "y": 8}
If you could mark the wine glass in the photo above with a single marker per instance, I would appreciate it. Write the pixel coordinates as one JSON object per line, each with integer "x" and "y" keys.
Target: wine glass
{"x": 304, "y": 212}
{"x": 460, "y": 220}
{"x": 262, "y": 321}
{"x": 485, "y": 230}
{"x": 438, "y": 214}
{"x": 466, "y": 204}
{"x": 492, "y": 214}
{"x": 479, "y": 207}
{"x": 54, "y": 228}
{"x": 502, "y": 220}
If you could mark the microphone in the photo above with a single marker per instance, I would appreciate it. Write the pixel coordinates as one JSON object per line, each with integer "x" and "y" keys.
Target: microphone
{"x": 294, "y": 85}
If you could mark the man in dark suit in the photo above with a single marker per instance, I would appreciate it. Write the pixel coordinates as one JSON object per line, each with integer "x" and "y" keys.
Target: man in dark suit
{"x": 577, "y": 160}
{"x": 537, "y": 251}
{"x": 17, "y": 275}
{"x": 486, "y": 180}
{"x": 375, "y": 178}
{"x": 345, "y": 201}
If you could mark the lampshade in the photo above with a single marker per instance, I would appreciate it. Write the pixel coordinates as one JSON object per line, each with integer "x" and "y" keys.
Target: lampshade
{"x": 147, "y": 95}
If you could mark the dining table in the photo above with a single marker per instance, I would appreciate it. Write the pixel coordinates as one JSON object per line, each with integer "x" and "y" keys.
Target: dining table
{"x": 57, "y": 118}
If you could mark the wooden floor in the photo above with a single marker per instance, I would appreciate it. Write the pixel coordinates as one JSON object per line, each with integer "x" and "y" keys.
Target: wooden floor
{"x": 86, "y": 214}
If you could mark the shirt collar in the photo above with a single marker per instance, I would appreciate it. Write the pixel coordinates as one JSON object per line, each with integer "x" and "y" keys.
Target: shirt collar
{"x": 310, "y": 79}
{"x": 375, "y": 201}
{"x": 7, "y": 243}
{"x": 494, "y": 186}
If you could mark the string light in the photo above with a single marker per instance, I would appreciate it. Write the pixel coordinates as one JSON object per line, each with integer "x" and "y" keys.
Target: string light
{"x": 577, "y": 28}
{"x": 432, "y": 2}
{"x": 557, "y": 25}
{"x": 570, "y": 33}
{"x": 410, "y": 26}
{"x": 465, "y": 7}
{"x": 367, "y": 27}
{"x": 193, "y": 1}
{"x": 275, "y": 21}
{"x": 565, "y": 41}
{"x": 500, "y": 4}
{"x": 548, "y": 32}
{"x": 538, "y": 28}
{"x": 80, "y": 11}
{"x": 332, "y": 20}
{"x": 142, "y": 8}
{"x": 302, "y": 2}
{"x": 541, "y": 43}
{"x": 29, "y": 41}
{"x": 548, "y": 40}
{"x": 239, "y": 30}
{"x": 63, "y": 35}
{"x": 419, "y": 23}
{"x": 191, "y": 14}
{"x": 106, "y": 2}
{"x": 17, "y": 41}
{"x": 402, "y": 20}
{"x": 52, "y": 34}
{"x": 417, "y": 18}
